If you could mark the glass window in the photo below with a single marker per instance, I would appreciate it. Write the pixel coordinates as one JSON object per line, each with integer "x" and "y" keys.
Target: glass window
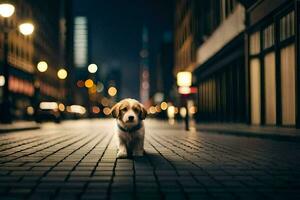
{"x": 255, "y": 43}
{"x": 255, "y": 100}
{"x": 268, "y": 36}
{"x": 288, "y": 86}
{"x": 270, "y": 88}
{"x": 287, "y": 26}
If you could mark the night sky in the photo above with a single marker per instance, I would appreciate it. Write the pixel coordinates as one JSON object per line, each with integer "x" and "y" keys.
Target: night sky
{"x": 116, "y": 34}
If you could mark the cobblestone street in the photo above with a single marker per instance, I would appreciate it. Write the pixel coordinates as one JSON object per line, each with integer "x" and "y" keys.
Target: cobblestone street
{"x": 77, "y": 160}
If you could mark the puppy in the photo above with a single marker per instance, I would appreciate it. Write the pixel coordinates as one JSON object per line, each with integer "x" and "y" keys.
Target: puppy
{"x": 129, "y": 114}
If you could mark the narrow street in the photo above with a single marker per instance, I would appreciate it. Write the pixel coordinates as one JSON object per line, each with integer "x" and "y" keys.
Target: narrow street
{"x": 77, "y": 160}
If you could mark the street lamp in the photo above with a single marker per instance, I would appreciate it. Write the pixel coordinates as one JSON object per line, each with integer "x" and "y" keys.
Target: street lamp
{"x": 92, "y": 68}
{"x": 62, "y": 74}
{"x": 112, "y": 91}
{"x": 184, "y": 79}
{"x": 26, "y": 28}
{"x": 6, "y": 11}
{"x": 42, "y": 66}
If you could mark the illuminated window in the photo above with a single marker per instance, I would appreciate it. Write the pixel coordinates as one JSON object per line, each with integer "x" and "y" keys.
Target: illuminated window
{"x": 255, "y": 43}
{"x": 80, "y": 41}
{"x": 287, "y": 26}
{"x": 268, "y": 37}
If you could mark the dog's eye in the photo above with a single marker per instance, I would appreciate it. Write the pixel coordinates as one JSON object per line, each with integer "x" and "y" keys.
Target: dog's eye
{"x": 124, "y": 109}
{"x": 136, "y": 110}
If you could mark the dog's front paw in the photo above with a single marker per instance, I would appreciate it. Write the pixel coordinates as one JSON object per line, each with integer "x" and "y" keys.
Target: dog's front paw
{"x": 122, "y": 154}
{"x": 138, "y": 153}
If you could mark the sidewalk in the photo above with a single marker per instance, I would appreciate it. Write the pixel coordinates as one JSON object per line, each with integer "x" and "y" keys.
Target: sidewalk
{"x": 18, "y": 126}
{"x": 271, "y": 132}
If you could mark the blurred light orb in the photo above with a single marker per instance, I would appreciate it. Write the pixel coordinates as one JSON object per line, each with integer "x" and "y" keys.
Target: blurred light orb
{"x": 30, "y": 110}
{"x": 26, "y": 28}
{"x": 42, "y": 66}
{"x": 104, "y": 101}
{"x": 93, "y": 89}
{"x": 152, "y": 110}
{"x": 184, "y": 79}
{"x": 2, "y": 81}
{"x": 6, "y": 10}
{"x": 106, "y": 111}
{"x": 171, "y": 112}
{"x": 96, "y": 110}
{"x": 157, "y": 108}
{"x": 100, "y": 87}
{"x": 164, "y": 106}
{"x": 80, "y": 83}
{"x": 183, "y": 112}
{"x": 62, "y": 74}
{"x": 193, "y": 110}
{"x": 89, "y": 83}
{"x": 92, "y": 68}
{"x": 61, "y": 107}
{"x": 112, "y": 91}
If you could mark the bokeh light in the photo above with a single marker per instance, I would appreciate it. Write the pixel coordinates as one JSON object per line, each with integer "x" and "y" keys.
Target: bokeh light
{"x": 26, "y": 28}
{"x": 6, "y": 10}
{"x": 42, "y": 66}
{"x": 2, "y": 80}
{"x": 80, "y": 83}
{"x": 62, "y": 74}
{"x": 164, "y": 106}
{"x": 92, "y": 68}
{"x": 112, "y": 91}
{"x": 96, "y": 110}
{"x": 30, "y": 110}
{"x": 106, "y": 111}
{"x": 89, "y": 83}
{"x": 61, "y": 107}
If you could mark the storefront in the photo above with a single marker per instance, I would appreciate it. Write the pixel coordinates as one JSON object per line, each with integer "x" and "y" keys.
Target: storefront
{"x": 271, "y": 65}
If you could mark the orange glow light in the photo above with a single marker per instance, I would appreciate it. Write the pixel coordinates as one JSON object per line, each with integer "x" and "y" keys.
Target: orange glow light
{"x": 89, "y": 83}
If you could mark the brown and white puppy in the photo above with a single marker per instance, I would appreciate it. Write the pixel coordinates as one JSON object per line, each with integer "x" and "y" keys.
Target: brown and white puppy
{"x": 129, "y": 114}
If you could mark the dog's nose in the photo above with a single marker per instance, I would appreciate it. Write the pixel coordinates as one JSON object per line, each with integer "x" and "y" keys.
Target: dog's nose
{"x": 131, "y": 118}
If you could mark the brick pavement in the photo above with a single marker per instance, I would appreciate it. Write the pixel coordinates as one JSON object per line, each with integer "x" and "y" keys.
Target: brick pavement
{"x": 77, "y": 160}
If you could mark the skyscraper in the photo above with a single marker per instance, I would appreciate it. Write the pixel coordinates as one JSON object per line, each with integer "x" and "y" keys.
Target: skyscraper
{"x": 144, "y": 66}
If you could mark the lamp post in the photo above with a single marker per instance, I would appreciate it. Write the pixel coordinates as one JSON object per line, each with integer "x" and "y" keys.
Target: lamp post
{"x": 6, "y": 11}
{"x": 184, "y": 80}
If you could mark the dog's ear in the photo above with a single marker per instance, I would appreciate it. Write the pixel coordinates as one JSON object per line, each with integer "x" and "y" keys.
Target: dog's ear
{"x": 143, "y": 113}
{"x": 115, "y": 110}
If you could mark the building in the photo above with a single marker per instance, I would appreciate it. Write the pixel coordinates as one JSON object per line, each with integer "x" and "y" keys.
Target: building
{"x": 246, "y": 59}
{"x": 272, "y": 62}
{"x": 163, "y": 80}
{"x": 26, "y": 51}
{"x": 210, "y": 43}
{"x": 144, "y": 68}
{"x": 186, "y": 35}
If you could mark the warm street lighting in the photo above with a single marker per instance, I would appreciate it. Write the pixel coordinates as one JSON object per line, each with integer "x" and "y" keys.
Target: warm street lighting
{"x": 184, "y": 79}
{"x": 62, "y": 74}
{"x": 6, "y": 10}
{"x": 164, "y": 106}
{"x": 112, "y": 91}
{"x": 42, "y": 66}
{"x": 89, "y": 83}
{"x": 26, "y": 28}
{"x": 2, "y": 81}
{"x": 92, "y": 68}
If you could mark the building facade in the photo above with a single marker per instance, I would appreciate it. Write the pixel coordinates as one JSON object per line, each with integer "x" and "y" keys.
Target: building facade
{"x": 220, "y": 64}
{"x": 26, "y": 51}
{"x": 247, "y": 59}
{"x": 272, "y": 62}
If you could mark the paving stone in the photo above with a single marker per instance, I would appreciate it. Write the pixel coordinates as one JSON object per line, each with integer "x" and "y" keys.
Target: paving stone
{"x": 65, "y": 162}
